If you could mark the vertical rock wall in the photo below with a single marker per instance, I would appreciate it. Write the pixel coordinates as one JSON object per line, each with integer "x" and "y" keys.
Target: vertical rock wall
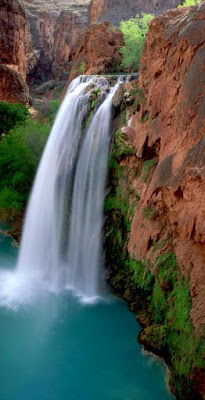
{"x": 15, "y": 44}
{"x": 115, "y": 11}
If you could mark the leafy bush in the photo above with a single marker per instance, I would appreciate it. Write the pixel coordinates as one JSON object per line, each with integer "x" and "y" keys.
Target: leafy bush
{"x": 142, "y": 277}
{"x": 122, "y": 145}
{"x": 82, "y": 68}
{"x": 189, "y": 3}
{"x": 20, "y": 152}
{"x": 134, "y": 32}
{"x": 171, "y": 312}
{"x": 11, "y": 115}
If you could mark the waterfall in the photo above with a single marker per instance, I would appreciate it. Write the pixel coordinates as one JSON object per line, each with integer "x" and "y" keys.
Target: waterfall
{"x": 61, "y": 243}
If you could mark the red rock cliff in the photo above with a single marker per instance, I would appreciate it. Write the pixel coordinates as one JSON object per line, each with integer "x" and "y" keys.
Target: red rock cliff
{"x": 97, "y": 50}
{"x": 69, "y": 26}
{"x": 170, "y": 128}
{"x": 15, "y": 43}
{"x": 54, "y": 26}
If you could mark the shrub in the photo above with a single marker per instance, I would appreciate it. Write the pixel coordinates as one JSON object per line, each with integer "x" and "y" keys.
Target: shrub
{"x": 10, "y": 203}
{"x": 134, "y": 32}
{"x": 20, "y": 152}
{"x": 82, "y": 68}
{"x": 11, "y": 115}
{"x": 189, "y": 3}
{"x": 122, "y": 145}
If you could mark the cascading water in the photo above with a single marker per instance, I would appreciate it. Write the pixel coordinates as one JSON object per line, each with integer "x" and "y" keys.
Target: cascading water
{"x": 62, "y": 234}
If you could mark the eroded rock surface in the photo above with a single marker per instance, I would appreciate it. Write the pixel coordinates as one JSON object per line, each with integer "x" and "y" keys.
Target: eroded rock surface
{"x": 54, "y": 27}
{"x": 15, "y": 45}
{"x": 170, "y": 127}
{"x": 97, "y": 50}
{"x": 154, "y": 210}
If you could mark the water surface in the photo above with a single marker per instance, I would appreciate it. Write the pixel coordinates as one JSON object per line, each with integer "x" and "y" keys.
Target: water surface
{"x": 59, "y": 349}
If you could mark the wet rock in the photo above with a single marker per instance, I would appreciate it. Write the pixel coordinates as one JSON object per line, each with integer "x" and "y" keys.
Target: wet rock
{"x": 118, "y": 97}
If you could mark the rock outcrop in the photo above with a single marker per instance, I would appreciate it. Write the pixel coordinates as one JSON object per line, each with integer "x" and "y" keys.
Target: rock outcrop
{"x": 154, "y": 229}
{"x": 69, "y": 26}
{"x": 114, "y": 11}
{"x": 97, "y": 51}
{"x": 171, "y": 126}
{"x": 15, "y": 45}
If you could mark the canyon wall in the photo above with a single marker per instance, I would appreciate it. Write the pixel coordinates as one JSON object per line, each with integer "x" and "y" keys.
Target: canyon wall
{"x": 54, "y": 27}
{"x": 155, "y": 210}
{"x": 69, "y": 26}
{"x": 172, "y": 121}
{"x": 114, "y": 11}
{"x": 15, "y": 45}
{"x": 97, "y": 51}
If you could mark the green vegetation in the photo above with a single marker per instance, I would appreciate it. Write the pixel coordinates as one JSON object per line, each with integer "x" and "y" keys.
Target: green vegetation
{"x": 158, "y": 293}
{"x": 147, "y": 168}
{"x": 82, "y": 68}
{"x": 138, "y": 93}
{"x": 93, "y": 106}
{"x": 160, "y": 244}
{"x": 168, "y": 302}
{"x": 120, "y": 203}
{"x": 11, "y": 115}
{"x": 150, "y": 213}
{"x": 49, "y": 110}
{"x": 134, "y": 32}
{"x": 144, "y": 118}
{"x": 115, "y": 65}
{"x": 142, "y": 277}
{"x": 189, "y": 3}
{"x": 20, "y": 153}
{"x": 122, "y": 146}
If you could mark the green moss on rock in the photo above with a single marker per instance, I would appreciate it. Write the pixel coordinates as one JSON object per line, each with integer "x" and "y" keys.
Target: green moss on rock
{"x": 157, "y": 292}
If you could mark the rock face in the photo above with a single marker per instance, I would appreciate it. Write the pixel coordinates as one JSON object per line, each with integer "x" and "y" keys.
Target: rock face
{"x": 54, "y": 26}
{"x": 97, "y": 51}
{"x": 69, "y": 26}
{"x": 154, "y": 210}
{"x": 171, "y": 127}
{"x": 115, "y": 11}
{"x": 15, "y": 44}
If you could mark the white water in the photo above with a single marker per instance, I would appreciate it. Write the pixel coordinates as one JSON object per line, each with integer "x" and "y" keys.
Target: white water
{"x": 61, "y": 245}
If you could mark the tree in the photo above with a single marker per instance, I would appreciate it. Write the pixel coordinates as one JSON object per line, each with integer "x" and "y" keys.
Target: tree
{"x": 11, "y": 115}
{"x": 134, "y": 32}
{"x": 189, "y": 3}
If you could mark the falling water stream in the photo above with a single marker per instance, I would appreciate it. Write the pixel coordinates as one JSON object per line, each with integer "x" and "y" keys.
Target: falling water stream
{"x": 55, "y": 346}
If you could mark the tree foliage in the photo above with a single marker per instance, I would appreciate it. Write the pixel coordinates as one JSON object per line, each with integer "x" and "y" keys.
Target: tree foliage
{"x": 134, "y": 32}
{"x": 11, "y": 115}
{"x": 189, "y": 3}
{"x": 20, "y": 152}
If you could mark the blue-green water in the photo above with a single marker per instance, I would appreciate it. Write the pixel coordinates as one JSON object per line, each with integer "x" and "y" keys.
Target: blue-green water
{"x": 59, "y": 349}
